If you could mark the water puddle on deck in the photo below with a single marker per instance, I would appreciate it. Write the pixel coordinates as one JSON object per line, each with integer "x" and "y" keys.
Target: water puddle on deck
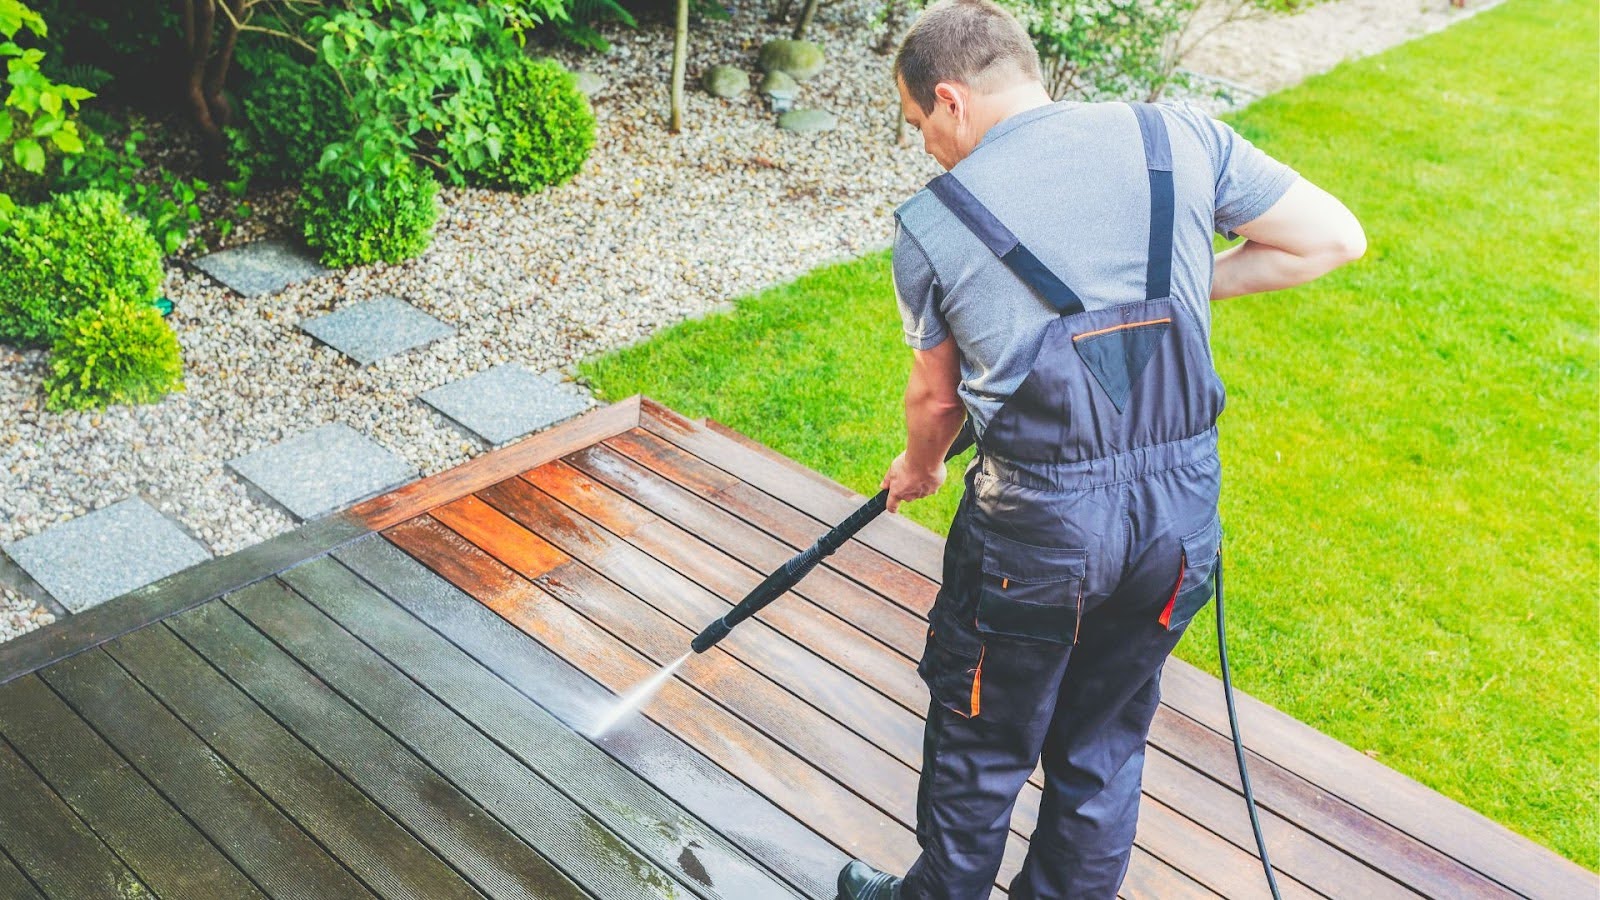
{"x": 631, "y": 702}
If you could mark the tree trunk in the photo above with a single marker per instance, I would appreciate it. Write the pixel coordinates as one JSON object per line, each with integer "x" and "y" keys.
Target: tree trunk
{"x": 806, "y": 12}
{"x": 680, "y": 52}
{"x": 198, "y": 38}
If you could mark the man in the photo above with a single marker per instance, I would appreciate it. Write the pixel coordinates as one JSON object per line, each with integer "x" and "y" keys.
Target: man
{"x": 1055, "y": 286}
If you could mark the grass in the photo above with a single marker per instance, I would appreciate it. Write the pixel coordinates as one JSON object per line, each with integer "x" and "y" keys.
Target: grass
{"x": 1411, "y": 443}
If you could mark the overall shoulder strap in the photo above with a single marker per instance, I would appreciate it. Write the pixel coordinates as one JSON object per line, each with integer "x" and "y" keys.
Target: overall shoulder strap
{"x": 1158, "y": 163}
{"x": 1002, "y": 243}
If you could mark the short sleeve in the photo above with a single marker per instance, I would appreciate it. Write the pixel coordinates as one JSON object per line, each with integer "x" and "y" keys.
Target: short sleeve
{"x": 1248, "y": 181}
{"x": 916, "y": 291}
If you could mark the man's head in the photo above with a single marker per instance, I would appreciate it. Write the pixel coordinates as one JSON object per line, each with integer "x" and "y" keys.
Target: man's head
{"x": 965, "y": 65}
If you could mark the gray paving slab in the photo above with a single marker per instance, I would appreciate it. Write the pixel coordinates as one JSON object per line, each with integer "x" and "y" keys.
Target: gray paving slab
{"x": 373, "y": 329}
{"x": 107, "y": 553}
{"x": 322, "y": 470}
{"x": 261, "y": 267}
{"x": 506, "y": 402}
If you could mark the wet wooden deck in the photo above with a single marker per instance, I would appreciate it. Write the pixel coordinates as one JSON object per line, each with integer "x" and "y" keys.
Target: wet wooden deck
{"x": 390, "y": 702}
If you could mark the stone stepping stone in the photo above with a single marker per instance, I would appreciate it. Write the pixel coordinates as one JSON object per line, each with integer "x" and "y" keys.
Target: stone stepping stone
{"x": 323, "y": 470}
{"x": 506, "y": 402}
{"x": 107, "y": 553}
{"x": 260, "y": 267}
{"x": 373, "y": 329}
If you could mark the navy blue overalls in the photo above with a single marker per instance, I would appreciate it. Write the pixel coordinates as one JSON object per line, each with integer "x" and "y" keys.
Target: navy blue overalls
{"x": 1086, "y": 540}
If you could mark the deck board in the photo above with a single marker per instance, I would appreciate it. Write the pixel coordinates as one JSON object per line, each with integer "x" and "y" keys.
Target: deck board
{"x": 393, "y": 701}
{"x": 51, "y": 844}
{"x": 150, "y": 835}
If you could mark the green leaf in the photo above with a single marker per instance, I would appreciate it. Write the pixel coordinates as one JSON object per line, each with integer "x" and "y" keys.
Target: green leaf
{"x": 29, "y": 155}
{"x": 67, "y": 140}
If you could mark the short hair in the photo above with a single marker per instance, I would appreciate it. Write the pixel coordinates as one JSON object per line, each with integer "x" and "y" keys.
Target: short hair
{"x": 973, "y": 42}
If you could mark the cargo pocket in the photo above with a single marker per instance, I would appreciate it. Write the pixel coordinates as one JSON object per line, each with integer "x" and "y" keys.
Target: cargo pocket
{"x": 1197, "y": 579}
{"x": 1031, "y": 592}
{"x": 952, "y": 668}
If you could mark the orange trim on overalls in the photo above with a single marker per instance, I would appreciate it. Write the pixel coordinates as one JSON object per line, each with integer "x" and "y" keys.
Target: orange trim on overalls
{"x": 977, "y": 680}
{"x": 1166, "y": 612}
{"x": 1090, "y": 334}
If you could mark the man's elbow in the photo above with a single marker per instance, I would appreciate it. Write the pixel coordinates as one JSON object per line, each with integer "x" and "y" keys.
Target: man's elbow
{"x": 1351, "y": 244}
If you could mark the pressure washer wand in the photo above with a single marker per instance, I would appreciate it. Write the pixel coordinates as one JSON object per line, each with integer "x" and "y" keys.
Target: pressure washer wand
{"x": 789, "y": 574}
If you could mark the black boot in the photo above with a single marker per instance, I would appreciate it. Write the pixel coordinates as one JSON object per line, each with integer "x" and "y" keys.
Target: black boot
{"x": 859, "y": 881}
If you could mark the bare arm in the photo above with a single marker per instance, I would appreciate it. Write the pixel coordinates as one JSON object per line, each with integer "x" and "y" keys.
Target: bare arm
{"x": 1303, "y": 236}
{"x": 933, "y": 418}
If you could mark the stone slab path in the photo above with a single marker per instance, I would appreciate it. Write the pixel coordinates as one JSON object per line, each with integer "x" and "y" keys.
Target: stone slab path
{"x": 260, "y": 267}
{"x": 93, "y": 558}
{"x": 506, "y": 402}
{"x": 322, "y": 470}
{"x": 375, "y": 329}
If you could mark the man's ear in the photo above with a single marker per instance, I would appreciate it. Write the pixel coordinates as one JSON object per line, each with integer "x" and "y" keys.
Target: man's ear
{"x": 953, "y": 97}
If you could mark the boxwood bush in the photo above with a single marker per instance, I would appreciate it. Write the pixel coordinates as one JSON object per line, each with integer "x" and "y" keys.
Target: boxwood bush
{"x": 547, "y": 127}
{"x": 69, "y": 254}
{"x": 115, "y": 352}
{"x": 361, "y": 210}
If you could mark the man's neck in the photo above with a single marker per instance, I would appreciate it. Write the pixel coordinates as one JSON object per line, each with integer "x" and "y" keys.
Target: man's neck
{"x": 1001, "y": 105}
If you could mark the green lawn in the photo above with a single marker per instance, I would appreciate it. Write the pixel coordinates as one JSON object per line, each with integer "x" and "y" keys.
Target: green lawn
{"x": 1411, "y": 443}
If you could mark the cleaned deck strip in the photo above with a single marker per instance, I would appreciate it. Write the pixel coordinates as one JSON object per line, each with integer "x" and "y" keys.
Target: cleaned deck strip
{"x": 1286, "y": 795}
{"x": 808, "y": 675}
{"x": 825, "y": 501}
{"x": 827, "y": 586}
{"x": 151, "y": 836}
{"x": 266, "y": 774}
{"x": 51, "y": 844}
{"x": 727, "y": 572}
{"x": 857, "y": 560}
{"x": 1468, "y": 837}
{"x": 267, "y": 846}
{"x": 696, "y": 855}
{"x": 788, "y": 780}
{"x": 494, "y": 859}
{"x": 797, "y": 854}
{"x": 731, "y": 578}
{"x": 519, "y": 799}
{"x": 721, "y": 677}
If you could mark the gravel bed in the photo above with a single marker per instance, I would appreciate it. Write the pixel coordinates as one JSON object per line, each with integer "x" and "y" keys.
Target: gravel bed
{"x": 656, "y": 228}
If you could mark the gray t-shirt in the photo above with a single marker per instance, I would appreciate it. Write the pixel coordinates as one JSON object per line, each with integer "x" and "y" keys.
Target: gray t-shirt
{"x": 1069, "y": 180}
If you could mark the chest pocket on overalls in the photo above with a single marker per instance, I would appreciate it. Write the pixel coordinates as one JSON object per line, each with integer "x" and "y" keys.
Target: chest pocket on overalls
{"x": 1197, "y": 577}
{"x": 1031, "y": 592}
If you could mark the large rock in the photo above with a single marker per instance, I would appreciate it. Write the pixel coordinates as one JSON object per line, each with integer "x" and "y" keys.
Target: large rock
{"x": 799, "y": 59}
{"x": 808, "y": 120}
{"x": 725, "y": 81}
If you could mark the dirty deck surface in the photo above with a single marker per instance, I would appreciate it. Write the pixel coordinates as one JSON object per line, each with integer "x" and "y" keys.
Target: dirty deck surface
{"x": 391, "y": 701}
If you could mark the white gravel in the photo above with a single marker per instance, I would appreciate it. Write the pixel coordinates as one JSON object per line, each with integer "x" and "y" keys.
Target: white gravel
{"x": 655, "y": 228}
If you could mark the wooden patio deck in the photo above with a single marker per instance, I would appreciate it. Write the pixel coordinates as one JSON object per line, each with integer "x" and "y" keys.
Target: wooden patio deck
{"x": 389, "y": 702}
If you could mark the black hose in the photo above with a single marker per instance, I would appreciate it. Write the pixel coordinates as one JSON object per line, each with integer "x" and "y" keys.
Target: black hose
{"x": 1238, "y": 743}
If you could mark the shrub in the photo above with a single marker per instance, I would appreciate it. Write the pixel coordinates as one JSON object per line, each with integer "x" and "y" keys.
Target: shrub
{"x": 71, "y": 253}
{"x": 546, "y": 125}
{"x": 291, "y": 112}
{"x": 380, "y": 206}
{"x": 168, "y": 202}
{"x": 116, "y": 352}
